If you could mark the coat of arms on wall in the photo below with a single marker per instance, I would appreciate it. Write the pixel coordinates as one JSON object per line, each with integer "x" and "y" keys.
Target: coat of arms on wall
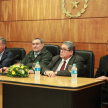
{"x": 74, "y": 4}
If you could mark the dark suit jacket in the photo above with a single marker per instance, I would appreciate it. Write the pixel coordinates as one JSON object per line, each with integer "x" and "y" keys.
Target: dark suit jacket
{"x": 78, "y": 60}
{"x": 44, "y": 58}
{"x": 103, "y": 71}
{"x": 6, "y": 58}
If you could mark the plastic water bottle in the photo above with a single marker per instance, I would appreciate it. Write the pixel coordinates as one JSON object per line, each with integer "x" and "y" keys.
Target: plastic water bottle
{"x": 74, "y": 73}
{"x": 37, "y": 70}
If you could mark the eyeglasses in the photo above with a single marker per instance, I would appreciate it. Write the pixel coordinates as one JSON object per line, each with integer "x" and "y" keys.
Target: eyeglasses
{"x": 64, "y": 50}
{"x": 36, "y": 43}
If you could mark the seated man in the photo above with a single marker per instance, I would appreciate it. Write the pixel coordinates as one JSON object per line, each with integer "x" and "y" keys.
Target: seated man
{"x": 39, "y": 53}
{"x": 102, "y": 73}
{"x": 67, "y": 57}
{"x": 5, "y": 55}
{"x": 104, "y": 78}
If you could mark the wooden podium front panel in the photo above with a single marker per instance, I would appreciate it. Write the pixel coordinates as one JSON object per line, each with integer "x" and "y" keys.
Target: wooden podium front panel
{"x": 16, "y": 96}
{"x": 56, "y": 92}
{"x": 1, "y": 95}
{"x": 30, "y": 97}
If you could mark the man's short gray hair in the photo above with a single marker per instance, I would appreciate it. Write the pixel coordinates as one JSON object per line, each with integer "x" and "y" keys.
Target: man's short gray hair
{"x": 3, "y": 40}
{"x": 41, "y": 40}
{"x": 70, "y": 45}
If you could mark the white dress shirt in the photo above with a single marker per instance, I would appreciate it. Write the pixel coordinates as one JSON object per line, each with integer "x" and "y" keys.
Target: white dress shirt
{"x": 36, "y": 54}
{"x": 61, "y": 63}
{"x": 1, "y": 54}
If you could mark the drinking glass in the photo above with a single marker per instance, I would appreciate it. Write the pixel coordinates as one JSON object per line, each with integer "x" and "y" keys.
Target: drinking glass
{"x": 33, "y": 66}
{"x": 69, "y": 68}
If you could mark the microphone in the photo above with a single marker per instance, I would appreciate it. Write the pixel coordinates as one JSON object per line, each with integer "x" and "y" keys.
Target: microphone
{"x": 8, "y": 60}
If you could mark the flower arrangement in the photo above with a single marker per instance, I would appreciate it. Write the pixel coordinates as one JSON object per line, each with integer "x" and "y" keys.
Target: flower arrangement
{"x": 18, "y": 70}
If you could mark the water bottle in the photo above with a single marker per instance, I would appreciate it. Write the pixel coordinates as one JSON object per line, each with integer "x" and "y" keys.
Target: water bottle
{"x": 37, "y": 70}
{"x": 74, "y": 73}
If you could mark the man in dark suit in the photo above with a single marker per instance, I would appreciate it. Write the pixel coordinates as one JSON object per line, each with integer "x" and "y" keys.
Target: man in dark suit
{"x": 67, "y": 57}
{"x": 39, "y": 53}
{"x": 5, "y": 54}
{"x": 102, "y": 74}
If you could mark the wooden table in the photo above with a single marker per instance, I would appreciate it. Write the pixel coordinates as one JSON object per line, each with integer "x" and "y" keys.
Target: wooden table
{"x": 49, "y": 92}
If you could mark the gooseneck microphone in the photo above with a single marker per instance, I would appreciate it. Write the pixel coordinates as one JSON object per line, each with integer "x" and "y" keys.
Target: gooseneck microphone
{"x": 8, "y": 60}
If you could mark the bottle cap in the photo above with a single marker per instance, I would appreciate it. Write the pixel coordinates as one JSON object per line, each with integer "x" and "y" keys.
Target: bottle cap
{"x": 37, "y": 62}
{"x": 74, "y": 64}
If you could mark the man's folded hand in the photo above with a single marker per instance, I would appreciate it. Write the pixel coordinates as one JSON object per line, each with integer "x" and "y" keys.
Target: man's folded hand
{"x": 50, "y": 73}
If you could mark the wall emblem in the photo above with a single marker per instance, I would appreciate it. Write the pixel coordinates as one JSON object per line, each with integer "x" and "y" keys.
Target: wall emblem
{"x": 74, "y": 5}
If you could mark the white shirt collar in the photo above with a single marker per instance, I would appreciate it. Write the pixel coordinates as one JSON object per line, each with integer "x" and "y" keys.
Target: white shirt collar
{"x": 66, "y": 60}
{"x": 36, "y": 54}
{"x": 1, "y": 54}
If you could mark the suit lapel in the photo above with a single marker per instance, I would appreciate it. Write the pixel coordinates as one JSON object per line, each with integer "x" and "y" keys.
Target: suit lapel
{"x": 56, "y": 64}
{"x": 4, "y": 56}
{"x": 70, "y": 61}
{"x": 106, "y": 66}
{"x": 31, "y": 56}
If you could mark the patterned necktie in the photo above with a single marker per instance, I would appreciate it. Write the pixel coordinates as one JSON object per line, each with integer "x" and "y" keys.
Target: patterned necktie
{"x": 63, "y": 66}
{"x": 35, "y": 55}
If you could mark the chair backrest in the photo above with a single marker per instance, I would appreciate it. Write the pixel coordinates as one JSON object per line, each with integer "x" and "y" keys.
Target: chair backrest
{"x": 17, "y": 51}
{"x": 53, "y": 49}
{"x": 88, "y": 57}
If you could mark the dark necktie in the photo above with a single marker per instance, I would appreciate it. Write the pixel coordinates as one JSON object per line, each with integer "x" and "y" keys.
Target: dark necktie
{"x": 63, "y": 66}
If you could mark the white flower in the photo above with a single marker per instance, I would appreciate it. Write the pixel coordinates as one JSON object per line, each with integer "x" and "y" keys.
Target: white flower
{"x": 17, "y": 65}
{"x": 22, "y": 71}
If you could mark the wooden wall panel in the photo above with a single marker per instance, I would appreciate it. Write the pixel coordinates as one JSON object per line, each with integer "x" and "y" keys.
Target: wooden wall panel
{"x": 49, "y": 9}
{"x": 95, "y": 69}
{"x": 0, "y": 10}
{"x": 99, "y": 51}
{"x": 76, "y": 30}
{"x": 5, "y": 30}
{"x": 6, "y": 10}
{"x": 91, "y": 30}
{"x": 8, "y": 44}
{"x": 49, "y": 30}
{"x": 26, "y": 46}
{"x": 22, "y": 9}
{"x": 97, "y": 8}
{"x": 1, "y": 95}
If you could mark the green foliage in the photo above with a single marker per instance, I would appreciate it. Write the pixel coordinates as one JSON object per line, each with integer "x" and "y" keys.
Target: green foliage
{"x": 18, "y": 70}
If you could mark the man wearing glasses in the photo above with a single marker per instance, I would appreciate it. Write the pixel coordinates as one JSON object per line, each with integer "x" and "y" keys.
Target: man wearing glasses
{"x": 59, "y": 64}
